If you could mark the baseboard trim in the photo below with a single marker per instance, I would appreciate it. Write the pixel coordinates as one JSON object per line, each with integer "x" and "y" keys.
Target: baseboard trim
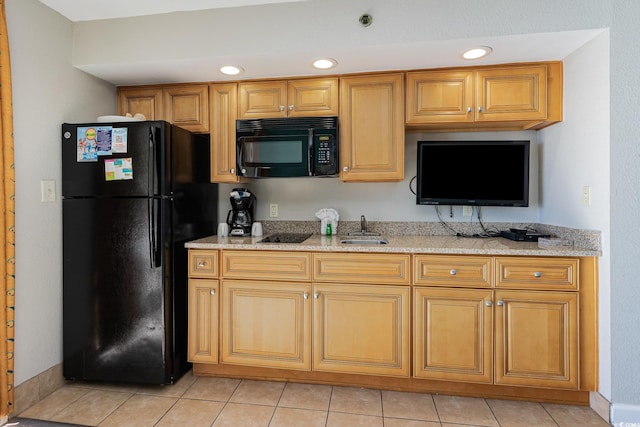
{"x": 600, "y": 405}
{"x": 623, "y": 414}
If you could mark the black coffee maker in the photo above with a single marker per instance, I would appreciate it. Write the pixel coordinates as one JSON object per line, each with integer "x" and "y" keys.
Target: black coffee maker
{"x": 240, "y": 217}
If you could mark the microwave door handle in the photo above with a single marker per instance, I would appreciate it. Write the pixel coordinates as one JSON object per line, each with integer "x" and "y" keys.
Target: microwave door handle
{"x": 310, "y": 154}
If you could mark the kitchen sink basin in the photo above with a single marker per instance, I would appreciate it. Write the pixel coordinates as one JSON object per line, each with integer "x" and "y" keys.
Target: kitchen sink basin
{"x": 364, "y": 241}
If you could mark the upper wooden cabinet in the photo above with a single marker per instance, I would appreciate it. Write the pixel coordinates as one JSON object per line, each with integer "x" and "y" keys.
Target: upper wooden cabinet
{"x": 184, "y": 105}
{"x": 187, "y": 106}
{"x": 293, "y": 98}
{"x": 493, "y": 97}
{"x": 141, "y": 100}
{"x": 372, "y": 128}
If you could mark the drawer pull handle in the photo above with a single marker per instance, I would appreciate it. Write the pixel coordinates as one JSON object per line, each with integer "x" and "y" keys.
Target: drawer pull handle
{"x": 453, "y": 272}
{"x": 202, "y": 264}
{"x": 537, "y": 274}
{"x": 316, "y": 295}
{"x": 212, "y": 291}
{"x": 306, "y": 295}
{"x": 489, "y": 303}
{"x": 500, "y": 303}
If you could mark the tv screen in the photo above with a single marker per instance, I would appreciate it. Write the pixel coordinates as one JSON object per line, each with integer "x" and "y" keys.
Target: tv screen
{"x": 475, "y": 173}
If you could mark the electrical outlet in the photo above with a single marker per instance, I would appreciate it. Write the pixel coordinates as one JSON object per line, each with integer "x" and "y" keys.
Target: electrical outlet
{"x": 467, "y": 211}
{"x": 273, "y": 210}
{"x": 586, "y": 195}
{"x": 47, "y": 190}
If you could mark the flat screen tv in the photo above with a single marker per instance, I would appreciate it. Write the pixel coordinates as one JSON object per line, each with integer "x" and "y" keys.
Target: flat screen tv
{"x": 473, "y": 173}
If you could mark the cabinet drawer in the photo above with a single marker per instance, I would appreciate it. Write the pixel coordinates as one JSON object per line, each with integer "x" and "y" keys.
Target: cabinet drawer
{"x": 537, "y": 273}
{"x": 382, "y": 269}
{"x": 203, "y": 263}
{"x": 435, "y": 270}
{"x": 266, "y": 265}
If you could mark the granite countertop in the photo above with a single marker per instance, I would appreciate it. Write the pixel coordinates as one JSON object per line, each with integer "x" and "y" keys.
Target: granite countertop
{"x": 399, "y": 244}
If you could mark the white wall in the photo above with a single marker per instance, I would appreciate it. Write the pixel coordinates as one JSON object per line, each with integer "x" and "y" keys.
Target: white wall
{"x": 47, "y": 91}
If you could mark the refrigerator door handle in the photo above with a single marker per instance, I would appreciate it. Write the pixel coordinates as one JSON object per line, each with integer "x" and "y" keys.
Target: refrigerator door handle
{"x": 151, "y": 158}
{"x": 154, "y": 238}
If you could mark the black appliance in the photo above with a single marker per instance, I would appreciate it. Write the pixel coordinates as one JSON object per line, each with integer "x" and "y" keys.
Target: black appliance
{"x": 133, "y": 194}
{"x": 480, "y": 173}
{"x": 292, "y": 147}
{"x": 240, "y": 217}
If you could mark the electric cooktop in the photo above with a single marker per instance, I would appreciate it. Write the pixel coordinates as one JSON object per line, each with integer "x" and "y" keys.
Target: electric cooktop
{"x": 286, "y": 238}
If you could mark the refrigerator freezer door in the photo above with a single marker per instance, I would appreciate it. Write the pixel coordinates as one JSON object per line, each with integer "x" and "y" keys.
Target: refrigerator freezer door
{"x": 117, "y": 307}
{"x": 146, "y": 145}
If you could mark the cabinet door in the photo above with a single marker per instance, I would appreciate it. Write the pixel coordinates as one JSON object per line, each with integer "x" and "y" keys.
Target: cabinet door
{"x": 313, "y": 97}
{"x": 372, "y": 128}
{"x": 262, "y": 99}
{"x": 223, "y": 99}
{"x": 266, "y": 324}
{"x": 512, "y": 94}
{"x": 187, "y": 106}
{"x": 440, "y": 97}
{"x": 147, "y": 101}
{"x": 203, "y": 320}
{"x": 453, "y": 333}
{"x": 537, "y": 339}
{"x": 361, "y": 329}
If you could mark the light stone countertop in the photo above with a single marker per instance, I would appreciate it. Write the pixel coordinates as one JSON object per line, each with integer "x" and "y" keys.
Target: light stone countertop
{"x": 399, "y": 244}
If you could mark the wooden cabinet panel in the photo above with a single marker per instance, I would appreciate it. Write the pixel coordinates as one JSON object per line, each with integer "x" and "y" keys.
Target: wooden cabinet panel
{"x": 147, "y": 101}
{"x": 372, "y": 128}
{"x": 313, "y": 97}
{"x": 537, "y": 338}
{"x": 514, "y": 93}
{"x": 262, "y": 99}
{"x": 453, "y": 334}
{"x": 440, "y": 96}
{"x": 362, "y": 268}
{"x": 187, "y": 106}
{"x": 266, "y": 265}
{"x": 203, "y": 263}
{"x": 465, "y": 271}
{"x": 266, "y": 324}
{"x": 361, "y": 329}
{"x": 537, "y": 273}
{"x": 203, "y": 320}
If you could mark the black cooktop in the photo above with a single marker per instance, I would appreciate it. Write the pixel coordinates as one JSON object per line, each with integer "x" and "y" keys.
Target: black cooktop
{"x": 286, "y": 238}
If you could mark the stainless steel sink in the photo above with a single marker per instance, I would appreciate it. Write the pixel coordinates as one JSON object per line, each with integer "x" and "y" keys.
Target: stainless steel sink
{"x": 364, "y": 241}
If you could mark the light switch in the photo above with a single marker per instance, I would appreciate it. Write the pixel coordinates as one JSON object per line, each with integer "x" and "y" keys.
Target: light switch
{"x": 47, "y": 190}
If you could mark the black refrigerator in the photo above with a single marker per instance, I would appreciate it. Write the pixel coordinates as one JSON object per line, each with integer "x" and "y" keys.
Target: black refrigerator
{"x": 132, "y": 194}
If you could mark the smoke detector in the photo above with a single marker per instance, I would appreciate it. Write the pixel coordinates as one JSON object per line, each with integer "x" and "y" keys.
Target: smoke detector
{"x": 365, "y": 20}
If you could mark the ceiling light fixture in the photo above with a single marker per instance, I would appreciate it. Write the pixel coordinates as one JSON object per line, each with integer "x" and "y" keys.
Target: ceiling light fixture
{"x": 476, "y": 52}
{"x": 231, "y": 70}
{"x": 324, "y": 63}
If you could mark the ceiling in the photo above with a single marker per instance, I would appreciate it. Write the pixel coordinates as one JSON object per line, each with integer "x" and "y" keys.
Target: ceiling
{"x": 506, "y": 49}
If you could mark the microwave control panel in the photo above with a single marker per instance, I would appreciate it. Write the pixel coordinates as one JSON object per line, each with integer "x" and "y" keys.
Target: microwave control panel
{"x": 325, "y": 155}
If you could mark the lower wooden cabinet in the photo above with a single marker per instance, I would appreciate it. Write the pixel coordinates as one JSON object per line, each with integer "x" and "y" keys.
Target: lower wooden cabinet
{"x": 266, "y": 324}
{"x": 453, "y": 334}
{"x": 203, "y": 320}
{"x": 362, "y": 329}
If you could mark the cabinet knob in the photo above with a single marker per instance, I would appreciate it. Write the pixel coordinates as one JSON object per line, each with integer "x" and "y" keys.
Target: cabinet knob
{"x": 345, "y": 169}
{"x": 282, "y": 108}
{"x": 316, "y": 295}
{"x": 479, "y": 109}
{"x": 202, "y": 264}
{"x": 500, "y": 303}
{"x": 469, "y": 109}
{"x": 489, "y": 303}
{"x": 453, "y": 272}
{"x": 537, "y": 274}
{"x": 306, "y": 295}
{"x": 291, "y": 107}
{"x": 232, "y": 170}
{"x": 212, "y": 291}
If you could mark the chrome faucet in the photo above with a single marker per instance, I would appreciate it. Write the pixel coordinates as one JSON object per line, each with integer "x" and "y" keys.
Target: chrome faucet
{"x": 363, "y": 229}
{"x": 363, "y": 224}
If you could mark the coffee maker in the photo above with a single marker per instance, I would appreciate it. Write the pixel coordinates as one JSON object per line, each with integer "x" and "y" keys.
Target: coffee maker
{"x": 240, "y": 217}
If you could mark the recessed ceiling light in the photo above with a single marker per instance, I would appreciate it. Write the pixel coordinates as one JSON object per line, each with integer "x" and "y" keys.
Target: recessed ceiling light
{"x": 324, "y": 63}
{"x": 476, "y": 52}
{"x": 231, "y": 70}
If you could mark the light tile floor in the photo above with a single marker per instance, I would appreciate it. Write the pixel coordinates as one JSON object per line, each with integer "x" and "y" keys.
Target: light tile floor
{"x": 219, "y": 402}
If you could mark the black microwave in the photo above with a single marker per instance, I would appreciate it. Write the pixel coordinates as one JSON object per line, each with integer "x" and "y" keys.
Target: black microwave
{"x": 293, "y": 147}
